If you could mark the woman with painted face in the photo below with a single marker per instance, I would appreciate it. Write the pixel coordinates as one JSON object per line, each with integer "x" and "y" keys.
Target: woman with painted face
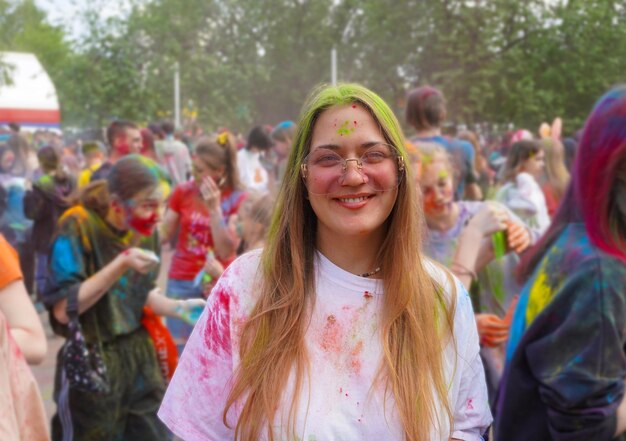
{"x": 202, "y": 208}
{"x": 566, "y": 357}
{"x": 339, "y": 328}
{"x": 104, "y": 262}
{"x": 461, "y": 236}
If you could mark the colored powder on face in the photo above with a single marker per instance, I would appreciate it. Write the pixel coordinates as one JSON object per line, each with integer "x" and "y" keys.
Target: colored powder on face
{"x": 426, "y": 159}
{"x": 354, "y": 106}
{"x": 443, "y": 174}
{"x": 344, "y": 130}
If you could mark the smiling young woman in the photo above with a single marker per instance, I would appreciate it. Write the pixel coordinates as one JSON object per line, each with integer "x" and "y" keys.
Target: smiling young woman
{"x": 339, "y": 328}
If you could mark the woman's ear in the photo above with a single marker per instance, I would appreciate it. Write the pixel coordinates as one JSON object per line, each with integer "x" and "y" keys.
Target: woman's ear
{"x": 116, "y": 204}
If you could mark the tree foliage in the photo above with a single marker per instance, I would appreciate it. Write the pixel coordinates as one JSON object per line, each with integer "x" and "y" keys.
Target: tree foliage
{"x": 246, "y": 62}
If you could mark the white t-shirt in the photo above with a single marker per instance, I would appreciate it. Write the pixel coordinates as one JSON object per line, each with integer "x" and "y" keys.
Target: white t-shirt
{"x": 251, "y": 172}
{"x": 338, "y": 398}
{"x": 526, "y": 199}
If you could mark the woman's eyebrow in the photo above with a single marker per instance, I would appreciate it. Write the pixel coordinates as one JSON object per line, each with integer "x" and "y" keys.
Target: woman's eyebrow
{"x": 336, "y": 147}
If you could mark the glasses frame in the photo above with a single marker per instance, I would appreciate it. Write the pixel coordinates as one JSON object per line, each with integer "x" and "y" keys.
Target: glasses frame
{"x": 304, "y": 168}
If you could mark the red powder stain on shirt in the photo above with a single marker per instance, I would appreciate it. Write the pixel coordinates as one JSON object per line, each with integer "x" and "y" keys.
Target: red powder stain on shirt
{"x": 368, "y": 295}
{"x": 355, "y": 358}
{"x": 470, "y": 406}
{"x": 331, "y": 335}
{"x": 217, "y": 330}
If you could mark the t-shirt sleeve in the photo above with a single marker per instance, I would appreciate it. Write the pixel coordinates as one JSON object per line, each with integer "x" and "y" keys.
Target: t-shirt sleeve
{"x": 9, "y": 264}
{"x": 472, "y": 416}
{"x": 176, "y": 200}
{"x": 194, "y": 402}
{"x": 582, "y": 382}
{"x": 67, "y": 268}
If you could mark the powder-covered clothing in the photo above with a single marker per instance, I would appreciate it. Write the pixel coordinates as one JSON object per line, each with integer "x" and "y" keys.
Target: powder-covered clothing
{"x": 496, "y": 284}
{"x": 83, "y": 245}
{"x": 195, "y": 238}
{"x": 462, "y": 155}
{"x": 525, "y": 198}
{"x": 128, "y": 412}
{"x": 339, "y": 398}
{"x": 22, "y": 415}
{"x": 252, "y": 173}
{"x": 566, "y": 361}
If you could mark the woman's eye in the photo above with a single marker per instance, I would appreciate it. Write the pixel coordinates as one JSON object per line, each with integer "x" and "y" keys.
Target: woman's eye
{"x": 375, "y": 156}
{"x": 327, "y": 160}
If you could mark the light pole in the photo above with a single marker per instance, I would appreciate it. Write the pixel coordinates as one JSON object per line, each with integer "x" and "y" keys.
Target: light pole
{"x": 333, "y": 66}
{"x": 177, "y": 95}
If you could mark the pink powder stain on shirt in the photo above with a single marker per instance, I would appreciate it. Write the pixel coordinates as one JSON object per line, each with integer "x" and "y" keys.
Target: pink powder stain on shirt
{"x": 332, "y": 335}
{"x": 217, "y": 330}
{"x": 355, "y": 358}
{"x": 368, "y": 295}
{"x": 470, "y": 406}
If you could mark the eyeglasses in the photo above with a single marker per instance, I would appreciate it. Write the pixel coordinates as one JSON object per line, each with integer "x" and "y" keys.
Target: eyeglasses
{"x": 377, "y": 161}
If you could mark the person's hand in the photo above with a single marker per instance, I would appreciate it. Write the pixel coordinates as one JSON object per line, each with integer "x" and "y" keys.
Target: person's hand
{"x": 212, "y": 266}
{"x": 210, "y": 193}
{"x": 490, "y": 218}
{"x": 189, "y": 310}
{"x": 518, "y": 237}
{"x": 492, "y": 330}
{"x": 142, "y": 261}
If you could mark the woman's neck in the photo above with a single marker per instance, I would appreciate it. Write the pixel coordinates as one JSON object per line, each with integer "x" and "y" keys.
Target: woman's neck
{"x": 444, "y": 221}
{"x": 355, "y": 254}
{"x": 115, "y": 219}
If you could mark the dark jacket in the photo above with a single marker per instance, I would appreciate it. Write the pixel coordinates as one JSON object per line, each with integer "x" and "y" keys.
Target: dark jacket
{"x": 44, "y": 204}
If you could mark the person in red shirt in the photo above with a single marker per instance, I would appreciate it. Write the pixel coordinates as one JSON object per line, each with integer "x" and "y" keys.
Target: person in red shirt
{"x": 202, "y": 209}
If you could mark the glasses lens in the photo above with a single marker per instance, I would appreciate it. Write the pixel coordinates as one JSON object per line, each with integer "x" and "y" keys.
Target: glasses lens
{"x": 380, "y": 168}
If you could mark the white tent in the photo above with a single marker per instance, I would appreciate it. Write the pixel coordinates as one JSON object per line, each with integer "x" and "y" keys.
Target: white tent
{"x": 31, "y": 100}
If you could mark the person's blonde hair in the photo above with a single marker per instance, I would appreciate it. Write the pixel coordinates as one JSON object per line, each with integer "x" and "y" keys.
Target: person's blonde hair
{"x": 417, "y": 317}
{"x": 556, "y": 173}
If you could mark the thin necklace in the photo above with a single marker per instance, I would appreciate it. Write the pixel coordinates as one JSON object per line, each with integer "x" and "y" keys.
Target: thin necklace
{"x": 371, "y": 273}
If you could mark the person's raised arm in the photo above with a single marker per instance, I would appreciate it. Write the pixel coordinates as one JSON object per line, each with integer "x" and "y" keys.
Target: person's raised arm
{"x": 225, "y": 244}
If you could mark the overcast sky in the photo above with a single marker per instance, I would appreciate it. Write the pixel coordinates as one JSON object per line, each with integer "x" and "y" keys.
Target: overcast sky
{"x": 66, "y": 12}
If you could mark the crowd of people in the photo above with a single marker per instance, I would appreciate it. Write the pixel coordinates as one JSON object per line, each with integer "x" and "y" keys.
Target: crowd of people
{"x": 337, "y": 278}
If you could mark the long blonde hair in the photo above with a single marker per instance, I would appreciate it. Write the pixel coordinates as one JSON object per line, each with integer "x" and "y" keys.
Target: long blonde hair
{"x": 556, "y": 173}
{"x": 417, "y": 316}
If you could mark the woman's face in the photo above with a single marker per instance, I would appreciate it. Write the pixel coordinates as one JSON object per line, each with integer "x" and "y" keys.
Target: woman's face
{"x": 535, "y": 164}
{"x": 437, "y": 188}
{"x": 282, "y": 148}
{"x": 201, "y": 169}
{"x": 143, "y": 212}
{"x": 350, "y": 199}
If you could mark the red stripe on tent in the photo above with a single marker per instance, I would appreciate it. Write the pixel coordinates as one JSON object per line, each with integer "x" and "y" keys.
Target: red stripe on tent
{"x": 30, "y": 116}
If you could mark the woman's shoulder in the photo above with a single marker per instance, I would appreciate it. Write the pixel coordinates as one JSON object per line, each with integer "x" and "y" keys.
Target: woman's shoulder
{"x": 243, "y": 271}
{"x": 449, "y": 283}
